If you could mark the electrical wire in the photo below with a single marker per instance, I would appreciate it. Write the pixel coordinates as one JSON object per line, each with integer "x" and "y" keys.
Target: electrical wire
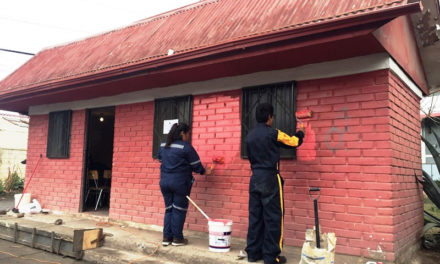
{"x": 17, "y": 51}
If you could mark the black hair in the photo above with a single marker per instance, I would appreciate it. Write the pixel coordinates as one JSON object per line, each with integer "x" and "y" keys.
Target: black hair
{"x": 264, "y": 110}
{"x": 174, "y": 133}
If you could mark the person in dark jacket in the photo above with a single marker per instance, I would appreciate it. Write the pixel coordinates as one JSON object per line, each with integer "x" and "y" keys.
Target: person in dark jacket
{"x": 179, "y": 159}
{"x": 266, "y": 202}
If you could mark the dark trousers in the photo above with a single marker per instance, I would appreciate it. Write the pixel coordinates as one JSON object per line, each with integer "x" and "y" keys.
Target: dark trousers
{"x": 174, "y": 192}
{"x": 266, "y": 211}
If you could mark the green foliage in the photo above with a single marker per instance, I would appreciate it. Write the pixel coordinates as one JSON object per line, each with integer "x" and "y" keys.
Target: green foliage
{"x": 13, "y": 182}
{"x": 17, "y": 182}
{"x": 2, "y": 187}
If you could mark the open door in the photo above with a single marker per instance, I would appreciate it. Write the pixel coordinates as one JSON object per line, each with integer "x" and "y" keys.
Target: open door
{"x": 98, "y": 160}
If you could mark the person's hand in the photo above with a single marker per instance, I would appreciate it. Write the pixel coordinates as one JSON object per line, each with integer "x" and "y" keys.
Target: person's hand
{"x": 302, "y": 128}
{"x": 209, "y": 169}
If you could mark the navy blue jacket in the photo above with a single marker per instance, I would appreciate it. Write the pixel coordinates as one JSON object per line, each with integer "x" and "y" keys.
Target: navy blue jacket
{"x": 180, "y": 159}
{"x": 263, "y": 146}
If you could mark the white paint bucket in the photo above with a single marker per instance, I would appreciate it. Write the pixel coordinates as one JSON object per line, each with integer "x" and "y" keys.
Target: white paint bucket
{"x": 26, "y": 199}
{"x": 220, "y": 235}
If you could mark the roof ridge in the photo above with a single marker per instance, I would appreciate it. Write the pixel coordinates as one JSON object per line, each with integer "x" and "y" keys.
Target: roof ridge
{"x": 141, "y": 22}
{"x": 175, "y": 11}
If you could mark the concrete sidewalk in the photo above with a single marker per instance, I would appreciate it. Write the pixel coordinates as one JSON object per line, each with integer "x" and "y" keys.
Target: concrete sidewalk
{"x": 125, "y": 244}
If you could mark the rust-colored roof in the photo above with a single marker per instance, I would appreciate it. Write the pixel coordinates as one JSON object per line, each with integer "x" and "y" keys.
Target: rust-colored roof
{"x": 194, "y": 27}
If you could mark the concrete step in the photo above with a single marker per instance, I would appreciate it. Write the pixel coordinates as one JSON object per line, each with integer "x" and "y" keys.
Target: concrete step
{"x": 196, "y": 252}
{"x": 106, "y": 255}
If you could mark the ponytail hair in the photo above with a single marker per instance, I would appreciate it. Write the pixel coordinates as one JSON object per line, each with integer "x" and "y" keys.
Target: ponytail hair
{"x": 175, "y": 133}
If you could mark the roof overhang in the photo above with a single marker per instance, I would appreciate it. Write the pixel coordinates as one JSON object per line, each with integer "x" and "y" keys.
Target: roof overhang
{"x": 300, "y": 45}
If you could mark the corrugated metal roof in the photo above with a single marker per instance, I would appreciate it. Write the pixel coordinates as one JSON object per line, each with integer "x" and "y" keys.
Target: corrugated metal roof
{"x": 193, "y": 27}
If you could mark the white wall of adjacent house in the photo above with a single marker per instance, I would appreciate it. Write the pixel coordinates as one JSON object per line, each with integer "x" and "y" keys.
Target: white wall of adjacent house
{"x": 13, "y": 143}
{"x": 430, "y": 107}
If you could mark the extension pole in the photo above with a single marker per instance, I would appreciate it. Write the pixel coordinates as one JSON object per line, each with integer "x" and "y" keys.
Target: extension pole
{"x": 315, "y": 205}
{"x": 318, "y": 239}
{"x": 198, "y": 208}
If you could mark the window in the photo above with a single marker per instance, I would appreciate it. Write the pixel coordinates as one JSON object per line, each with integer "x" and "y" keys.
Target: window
{"x": 165, "y": 111}
{"x": 283, "y": 97}
{"x": 58, "y": 136}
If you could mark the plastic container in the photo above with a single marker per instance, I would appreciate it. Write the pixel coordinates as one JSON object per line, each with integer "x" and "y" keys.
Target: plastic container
{"x": 220, "y": 235}
{"x": 26, "y": 199}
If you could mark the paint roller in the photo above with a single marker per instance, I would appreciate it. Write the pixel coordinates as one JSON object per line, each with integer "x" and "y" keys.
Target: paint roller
{"x": 302, "y": 115}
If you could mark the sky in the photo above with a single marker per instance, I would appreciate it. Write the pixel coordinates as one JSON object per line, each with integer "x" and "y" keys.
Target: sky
{"x": 32, "y": 25}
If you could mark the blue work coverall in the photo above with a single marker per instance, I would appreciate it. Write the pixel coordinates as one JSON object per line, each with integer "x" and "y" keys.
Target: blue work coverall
{"x": 266, "y": 201}
{"x": 178, "y": 163}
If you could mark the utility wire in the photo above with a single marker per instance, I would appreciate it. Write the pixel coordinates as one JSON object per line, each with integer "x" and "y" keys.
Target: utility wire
{"x": 16, "y": 51}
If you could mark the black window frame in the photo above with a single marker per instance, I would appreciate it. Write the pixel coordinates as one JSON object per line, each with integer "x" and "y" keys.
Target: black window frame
{"x": 58, "y": 134}
{"x": 158, "y": 136}
{"x": 284, "y": 119}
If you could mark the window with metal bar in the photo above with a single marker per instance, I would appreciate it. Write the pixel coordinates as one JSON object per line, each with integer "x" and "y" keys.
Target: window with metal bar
{"x": 166, "y": 112}
{"x": 58, "y": 136}
{"x": 283, "y": 97}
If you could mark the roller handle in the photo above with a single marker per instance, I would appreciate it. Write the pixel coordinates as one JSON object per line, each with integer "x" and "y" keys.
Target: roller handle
{"x": 198, "y": 208}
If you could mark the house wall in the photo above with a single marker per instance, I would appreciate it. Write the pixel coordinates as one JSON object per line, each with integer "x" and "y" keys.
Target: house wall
{"x": 348, "y": 152}
{"x": 358, "y": 149}
{"x": 13, "y": 144}
{"x": 407, "y": 201}
{"x": 10, "y": 162}
{"x": 56, "y": 183}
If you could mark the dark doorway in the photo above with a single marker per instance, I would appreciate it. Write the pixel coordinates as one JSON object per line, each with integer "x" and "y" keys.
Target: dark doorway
{"x": 98, "y": 161}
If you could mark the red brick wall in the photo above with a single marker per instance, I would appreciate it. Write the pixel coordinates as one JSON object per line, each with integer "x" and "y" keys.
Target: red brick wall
{"x": 56, "y": 183}
{"x": 405, "y": 142}
{"x": 135, "y": 194}
{"x": 348, "y": 155}
{"x": 360, "y": 148}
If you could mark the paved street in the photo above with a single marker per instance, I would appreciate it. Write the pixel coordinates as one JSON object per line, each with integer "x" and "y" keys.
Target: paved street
{"x": 12, "y": 253}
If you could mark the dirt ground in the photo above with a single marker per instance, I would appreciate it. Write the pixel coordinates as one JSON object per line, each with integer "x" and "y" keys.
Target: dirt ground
{"x": 426, "y": 257}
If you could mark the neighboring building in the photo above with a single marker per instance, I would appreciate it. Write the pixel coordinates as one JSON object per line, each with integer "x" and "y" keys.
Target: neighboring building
{"x": 430, "y": 113}
{"x": 428, "y": 28}
{"x": 13, "y": 143}
{"x": 100, "y": 108}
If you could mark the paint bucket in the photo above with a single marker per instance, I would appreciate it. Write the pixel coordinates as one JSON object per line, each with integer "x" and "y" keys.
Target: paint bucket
{"x": 220, "y": 235}
{"x": 26, "y": 199}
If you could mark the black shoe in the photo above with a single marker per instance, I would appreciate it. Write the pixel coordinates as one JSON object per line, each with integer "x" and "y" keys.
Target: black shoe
{"x": 278, "y": 260}
{"x": 180, "y": 242}
{"x": 254, "y": 259}
{"x": 167, "y": 241}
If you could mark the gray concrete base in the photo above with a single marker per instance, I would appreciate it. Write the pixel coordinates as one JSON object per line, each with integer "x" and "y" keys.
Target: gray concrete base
{"x": 125, "y": 244}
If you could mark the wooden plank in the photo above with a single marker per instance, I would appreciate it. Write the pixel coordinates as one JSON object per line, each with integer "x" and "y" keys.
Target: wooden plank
{"x": 86, "y": 239}
{"x": 91, "y": 238}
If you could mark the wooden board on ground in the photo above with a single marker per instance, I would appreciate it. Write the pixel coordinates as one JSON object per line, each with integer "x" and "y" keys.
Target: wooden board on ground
{"x": 86, "y": 238}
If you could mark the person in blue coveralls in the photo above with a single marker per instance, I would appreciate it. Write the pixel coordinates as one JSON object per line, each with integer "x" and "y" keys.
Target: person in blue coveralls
{"x": 179, "y": 159}
{"x": 266, "y": 202}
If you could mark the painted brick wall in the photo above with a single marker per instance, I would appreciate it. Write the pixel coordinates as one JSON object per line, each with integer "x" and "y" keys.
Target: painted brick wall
{"x": 348, "y": 155}
{"x": 56, "y": 183}
{"x": 361, "y": 149}
{"x": 135, "y": 194}
{"x": 353, "y": 151}
{"x": 405, "y": 140}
